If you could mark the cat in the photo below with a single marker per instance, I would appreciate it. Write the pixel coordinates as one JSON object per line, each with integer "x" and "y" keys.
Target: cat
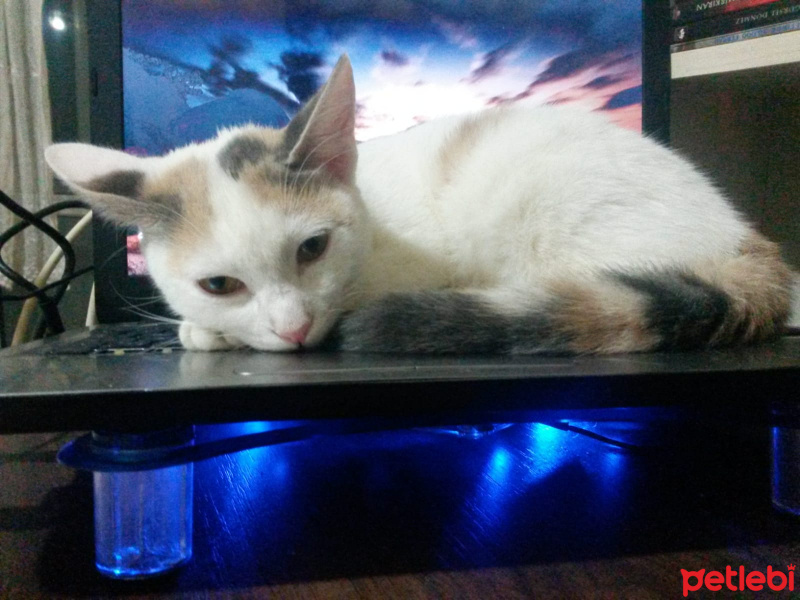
{"x": 514, "y": 230}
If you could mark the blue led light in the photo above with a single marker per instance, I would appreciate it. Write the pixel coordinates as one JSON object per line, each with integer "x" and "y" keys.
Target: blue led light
{"x": 786, "y": 469}
{"x": 546, "y": 453}
{"x": 499, "y": 466}
{"x": 263, "y": 473}
{"x": 143, "y": 521}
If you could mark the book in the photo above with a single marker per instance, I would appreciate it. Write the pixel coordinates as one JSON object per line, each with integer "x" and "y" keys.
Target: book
{"x": 687, "y": 11}
{"x": 775, "y": 12}
{"x": 771, "y": 45}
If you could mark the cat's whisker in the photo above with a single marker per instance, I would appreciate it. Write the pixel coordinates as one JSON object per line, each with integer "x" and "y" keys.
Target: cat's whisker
{"x": 150, "y": 316}
{"x": 99, "y": 268}
{"x": 325, "y": 139}
{"x": 153, "y": 317}
{"x": 309, "y": 176}
{"x": 312, "y": 174}
{"x": 148, "y": 300}
{"x": 168, "y": 343}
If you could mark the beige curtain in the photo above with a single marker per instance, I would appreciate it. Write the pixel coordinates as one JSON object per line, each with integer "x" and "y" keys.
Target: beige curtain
{"x": 24, "y": 128}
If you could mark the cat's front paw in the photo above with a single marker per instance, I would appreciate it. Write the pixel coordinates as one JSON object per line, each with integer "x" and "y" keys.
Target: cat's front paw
{"x": 194, "y": 337}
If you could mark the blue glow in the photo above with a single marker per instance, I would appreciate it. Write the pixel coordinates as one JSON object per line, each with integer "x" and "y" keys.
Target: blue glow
{"x": 259, "y": 472}
{"x": 547, "y": 451}
{"x": 143, "y": 521}
{"x": 131, "y": 562}
{"x": 785, "y": 480}
{"x": 612, "y": 470}
{"x": 499, "y": 467}
{"x": 251, "y": 427}
{"x": 612, "y": 463}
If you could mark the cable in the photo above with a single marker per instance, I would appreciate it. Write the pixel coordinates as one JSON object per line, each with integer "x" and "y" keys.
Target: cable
{"x": 21, "y": 330}
{"x": 91, "y": 310}
{"x": 565, "y": 426}
{"x": 27, "y": 219}
{"x": 48, "y": 304}
{"x": 49, "y": 286}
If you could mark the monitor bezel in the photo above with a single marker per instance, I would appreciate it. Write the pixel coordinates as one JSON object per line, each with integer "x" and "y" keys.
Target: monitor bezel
{"x": 118, "y": 294}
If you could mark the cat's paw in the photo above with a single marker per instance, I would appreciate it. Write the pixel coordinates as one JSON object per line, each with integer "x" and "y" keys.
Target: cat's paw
{"x": 194, "y": 337}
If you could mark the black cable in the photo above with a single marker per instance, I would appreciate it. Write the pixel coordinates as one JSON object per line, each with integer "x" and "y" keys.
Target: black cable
{"x": 49, "y": 286}
{"x": 595, "y": 436}
{"x": 35, "y": 219}
{"x": 47, "y": 303}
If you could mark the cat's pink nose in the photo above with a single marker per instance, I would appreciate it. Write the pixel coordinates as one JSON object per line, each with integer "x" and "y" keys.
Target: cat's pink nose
{"x": 298, "y": 336}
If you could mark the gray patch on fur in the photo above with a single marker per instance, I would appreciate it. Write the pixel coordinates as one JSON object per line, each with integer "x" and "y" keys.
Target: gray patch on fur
{"x": 684, "y": 310}
{"x": 119, "y": 183}
{"x": 132, "y": 207}
{"x": 443, "y": 323}
{"x": 240, "y": 152}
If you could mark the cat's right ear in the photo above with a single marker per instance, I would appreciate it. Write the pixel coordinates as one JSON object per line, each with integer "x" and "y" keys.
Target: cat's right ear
{"x": 321, "y": 137}
{"x": 109, "y": 180}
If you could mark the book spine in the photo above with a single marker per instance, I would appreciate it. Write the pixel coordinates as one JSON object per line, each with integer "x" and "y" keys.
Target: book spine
{"x": 697, "y": 10}
{"x": 777, "y": 12}
{"x": 738, "y": 36}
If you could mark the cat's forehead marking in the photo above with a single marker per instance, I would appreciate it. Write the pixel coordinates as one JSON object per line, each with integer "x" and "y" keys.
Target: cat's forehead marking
{"x": 274, "y": 183}
{"x": 240, "y": 151}
{"x": 246, "y": 147}
{"x": 256, "y": 157}
{"x": 294, "y": 192}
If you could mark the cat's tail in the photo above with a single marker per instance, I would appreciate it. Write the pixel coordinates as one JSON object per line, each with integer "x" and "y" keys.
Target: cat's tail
{"x": 738, "y": 300}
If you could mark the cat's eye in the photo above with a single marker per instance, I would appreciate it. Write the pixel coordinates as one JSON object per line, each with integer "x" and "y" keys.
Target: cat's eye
{"x": 312, "y": 248}
{"x": 221, "y": 285}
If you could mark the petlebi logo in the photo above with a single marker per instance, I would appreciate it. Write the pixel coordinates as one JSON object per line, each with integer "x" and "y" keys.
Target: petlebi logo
{"x": 738, "y": 580}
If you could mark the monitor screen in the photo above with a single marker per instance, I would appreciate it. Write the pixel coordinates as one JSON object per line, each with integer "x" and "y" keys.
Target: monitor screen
{"x": 190, "y": 68}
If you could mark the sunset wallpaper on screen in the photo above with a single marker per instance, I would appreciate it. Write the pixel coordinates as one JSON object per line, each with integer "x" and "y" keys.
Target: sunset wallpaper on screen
{"x": 190, "y": 67}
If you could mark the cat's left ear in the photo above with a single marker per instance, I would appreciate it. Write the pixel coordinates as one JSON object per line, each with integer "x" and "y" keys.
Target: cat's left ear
{"x": 109, "y": 180}
{"x": 322, "y": 135}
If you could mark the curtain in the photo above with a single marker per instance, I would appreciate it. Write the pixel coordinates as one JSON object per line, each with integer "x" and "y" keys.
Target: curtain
{"x": 24, "y": 128}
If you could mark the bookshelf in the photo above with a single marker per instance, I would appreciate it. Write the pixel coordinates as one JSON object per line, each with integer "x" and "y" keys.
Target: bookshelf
{"x": 735, "y": 112}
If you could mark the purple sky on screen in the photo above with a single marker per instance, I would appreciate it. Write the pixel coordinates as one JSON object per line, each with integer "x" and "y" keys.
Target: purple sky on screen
{"x": 191, "y": 67}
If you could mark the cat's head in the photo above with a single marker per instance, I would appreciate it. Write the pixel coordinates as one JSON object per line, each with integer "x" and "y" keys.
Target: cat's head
{"x": 258, "y": 233}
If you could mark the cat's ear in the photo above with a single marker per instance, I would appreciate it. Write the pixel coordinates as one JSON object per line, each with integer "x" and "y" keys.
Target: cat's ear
{"x": 109, "y": 180}
{"x": 322, "y": 135}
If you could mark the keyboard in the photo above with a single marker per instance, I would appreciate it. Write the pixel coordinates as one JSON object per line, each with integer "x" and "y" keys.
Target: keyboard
{"x": 120, "y": 338}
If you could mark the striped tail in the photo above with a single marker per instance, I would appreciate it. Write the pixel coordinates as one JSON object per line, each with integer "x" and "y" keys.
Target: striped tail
{"x": 740, "y": 300}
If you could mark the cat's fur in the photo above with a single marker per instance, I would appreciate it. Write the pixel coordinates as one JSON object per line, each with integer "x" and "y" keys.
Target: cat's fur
{"x": 516, "y": 230}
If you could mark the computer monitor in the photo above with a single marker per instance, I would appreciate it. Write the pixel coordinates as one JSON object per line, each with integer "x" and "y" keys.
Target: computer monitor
{"x": 165, "y": 74}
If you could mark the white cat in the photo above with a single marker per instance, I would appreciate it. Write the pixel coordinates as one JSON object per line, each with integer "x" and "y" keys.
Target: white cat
{"x": 515, "y": 230}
